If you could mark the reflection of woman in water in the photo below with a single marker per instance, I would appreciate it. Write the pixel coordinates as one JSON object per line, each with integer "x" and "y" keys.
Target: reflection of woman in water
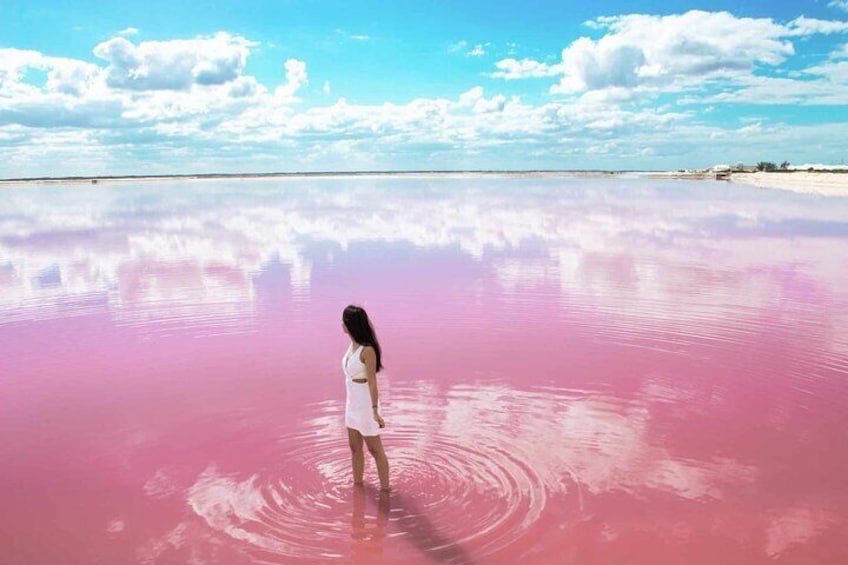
{"x": 361, "y": 363}
{"x": 368, "y": 533}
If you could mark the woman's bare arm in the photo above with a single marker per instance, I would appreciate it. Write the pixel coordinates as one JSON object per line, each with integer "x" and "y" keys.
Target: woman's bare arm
{"x": 370, "y": 360}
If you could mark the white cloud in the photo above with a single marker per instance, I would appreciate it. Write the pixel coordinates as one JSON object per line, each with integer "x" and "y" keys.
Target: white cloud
{"x": 664, "y": 50}
{"x": 478, "y": 51}
{"x": 153, "y": 97}
{"x": 76, "y": 78}
{"x": 176, "y": 64}
{"x": 640, "y": 56}
{"x": 809, "y": 26}
{"x": 639, "y": 49}
{"x": 478, "y": 104}
{"x": 835, "y": 72}
{"x": 841, "y": 53}
{"x": 295, "y": 78}
{"x": 470, "y": 97}
{"x": 204, "y": 119}
{"x": 153, "y": 91}
{"x": 129, "y": 31}
{"x": 64, "y": 76}
{"x": 14, "y": 61}
{"x": 840, "y": 4}
{"x": 207, "y": 121}
{"x": 511, "y": 69}
{"x": 295, "y": 73}
{"x": 829, "y": 86}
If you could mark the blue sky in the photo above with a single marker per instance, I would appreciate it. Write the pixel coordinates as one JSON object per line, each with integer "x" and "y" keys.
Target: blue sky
{"x": 90, "y": 88}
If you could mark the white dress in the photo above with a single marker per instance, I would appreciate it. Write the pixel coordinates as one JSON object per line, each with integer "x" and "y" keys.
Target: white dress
{"x": 358, "y": 412}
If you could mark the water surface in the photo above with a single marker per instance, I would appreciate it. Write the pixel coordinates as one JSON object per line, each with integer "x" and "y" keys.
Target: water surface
{"x": 577, "y": 371}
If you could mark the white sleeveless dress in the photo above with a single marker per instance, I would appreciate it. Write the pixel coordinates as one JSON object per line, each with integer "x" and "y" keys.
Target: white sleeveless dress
{"x": 358, "y": 412}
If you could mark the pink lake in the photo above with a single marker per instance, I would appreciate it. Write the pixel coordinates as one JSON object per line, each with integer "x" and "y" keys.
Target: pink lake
{"x": 577, "y": 371}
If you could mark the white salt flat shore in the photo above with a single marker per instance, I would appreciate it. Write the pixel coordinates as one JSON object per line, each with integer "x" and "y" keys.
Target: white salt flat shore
{"x": 822, "y": 183}
{"x": 826, "y": 184}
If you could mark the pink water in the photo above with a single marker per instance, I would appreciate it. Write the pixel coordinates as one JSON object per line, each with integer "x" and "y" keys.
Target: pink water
{"x": 577, "y": 371}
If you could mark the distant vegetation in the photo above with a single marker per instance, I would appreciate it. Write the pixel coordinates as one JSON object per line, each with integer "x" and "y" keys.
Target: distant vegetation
{"x": 786, "y": 167}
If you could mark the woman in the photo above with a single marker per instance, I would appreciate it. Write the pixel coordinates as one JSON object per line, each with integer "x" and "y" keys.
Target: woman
{"x": 361, "y": 363}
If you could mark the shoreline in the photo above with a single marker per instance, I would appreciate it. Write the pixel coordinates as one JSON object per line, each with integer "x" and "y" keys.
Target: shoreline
{"x": 819, "y": 183}
{"x": 313, "y": 175}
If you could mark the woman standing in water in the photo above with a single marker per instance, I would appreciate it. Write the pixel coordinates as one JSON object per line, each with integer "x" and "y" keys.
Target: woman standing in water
{"x": 361, "y": 363}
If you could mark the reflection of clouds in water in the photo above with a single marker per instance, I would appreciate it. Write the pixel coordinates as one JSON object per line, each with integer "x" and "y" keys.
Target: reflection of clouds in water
{"x": 160, "y": 485}
{"x": 154, "y": 549}
{"x": 268, "y": 516}
{"x": 226, "y": 504}
{"x": 795, "y": 526}
{"x": 603, "y": 445}
{"x": 194, "y": 249}
{"x": 722, "y": 289}
{"x": 510, "y": 459}
{"x": 115, "y": 526}
{"x": 207, "y": 293}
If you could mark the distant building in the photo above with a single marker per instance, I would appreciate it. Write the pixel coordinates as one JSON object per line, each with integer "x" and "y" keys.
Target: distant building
{"x": 721, "y": 172}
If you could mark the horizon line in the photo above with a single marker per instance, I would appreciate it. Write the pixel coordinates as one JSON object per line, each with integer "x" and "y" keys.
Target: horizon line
{"x": 400, "y": 172}
{"x": 325, "y": 173}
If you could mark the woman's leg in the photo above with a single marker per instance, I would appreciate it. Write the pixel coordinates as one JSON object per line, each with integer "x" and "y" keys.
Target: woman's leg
{"x": 375, "y": 446}
{"x": 357, "y": 455}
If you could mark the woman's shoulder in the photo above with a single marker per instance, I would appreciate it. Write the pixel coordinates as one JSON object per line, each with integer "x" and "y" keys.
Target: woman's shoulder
{"x": 366, "y": 351}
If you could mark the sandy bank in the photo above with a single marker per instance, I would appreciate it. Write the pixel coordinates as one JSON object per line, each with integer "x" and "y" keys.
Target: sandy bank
{"x": 828, "y": 184}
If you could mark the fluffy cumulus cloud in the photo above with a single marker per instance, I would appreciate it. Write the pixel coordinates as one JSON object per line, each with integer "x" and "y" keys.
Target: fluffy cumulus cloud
{"x": 188, "y": 104}
{"x": 74, "y": 78}
{"x": 667, "y": 50}
{"x": 63, "y": 75}
{"x": 478, "y": 103}
{"x": 690, "y": 51}
{"x": 73, "y": 93}
{"x": 12, "y": 61}
{"x": 295, "y": 77}
{"x": 182, "y": 86}
{"x": 173, "y": 65}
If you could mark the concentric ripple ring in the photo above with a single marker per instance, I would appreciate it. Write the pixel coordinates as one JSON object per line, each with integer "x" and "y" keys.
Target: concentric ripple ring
{"x": 450, "y": 457}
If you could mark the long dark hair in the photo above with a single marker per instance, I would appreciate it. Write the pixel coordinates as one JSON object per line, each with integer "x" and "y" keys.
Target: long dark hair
{"x": 359, "y": 326}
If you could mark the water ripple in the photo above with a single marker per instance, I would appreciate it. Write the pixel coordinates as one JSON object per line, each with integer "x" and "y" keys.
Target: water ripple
{"x": 479, "y": 471}
{"x": 305, "y": 508}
